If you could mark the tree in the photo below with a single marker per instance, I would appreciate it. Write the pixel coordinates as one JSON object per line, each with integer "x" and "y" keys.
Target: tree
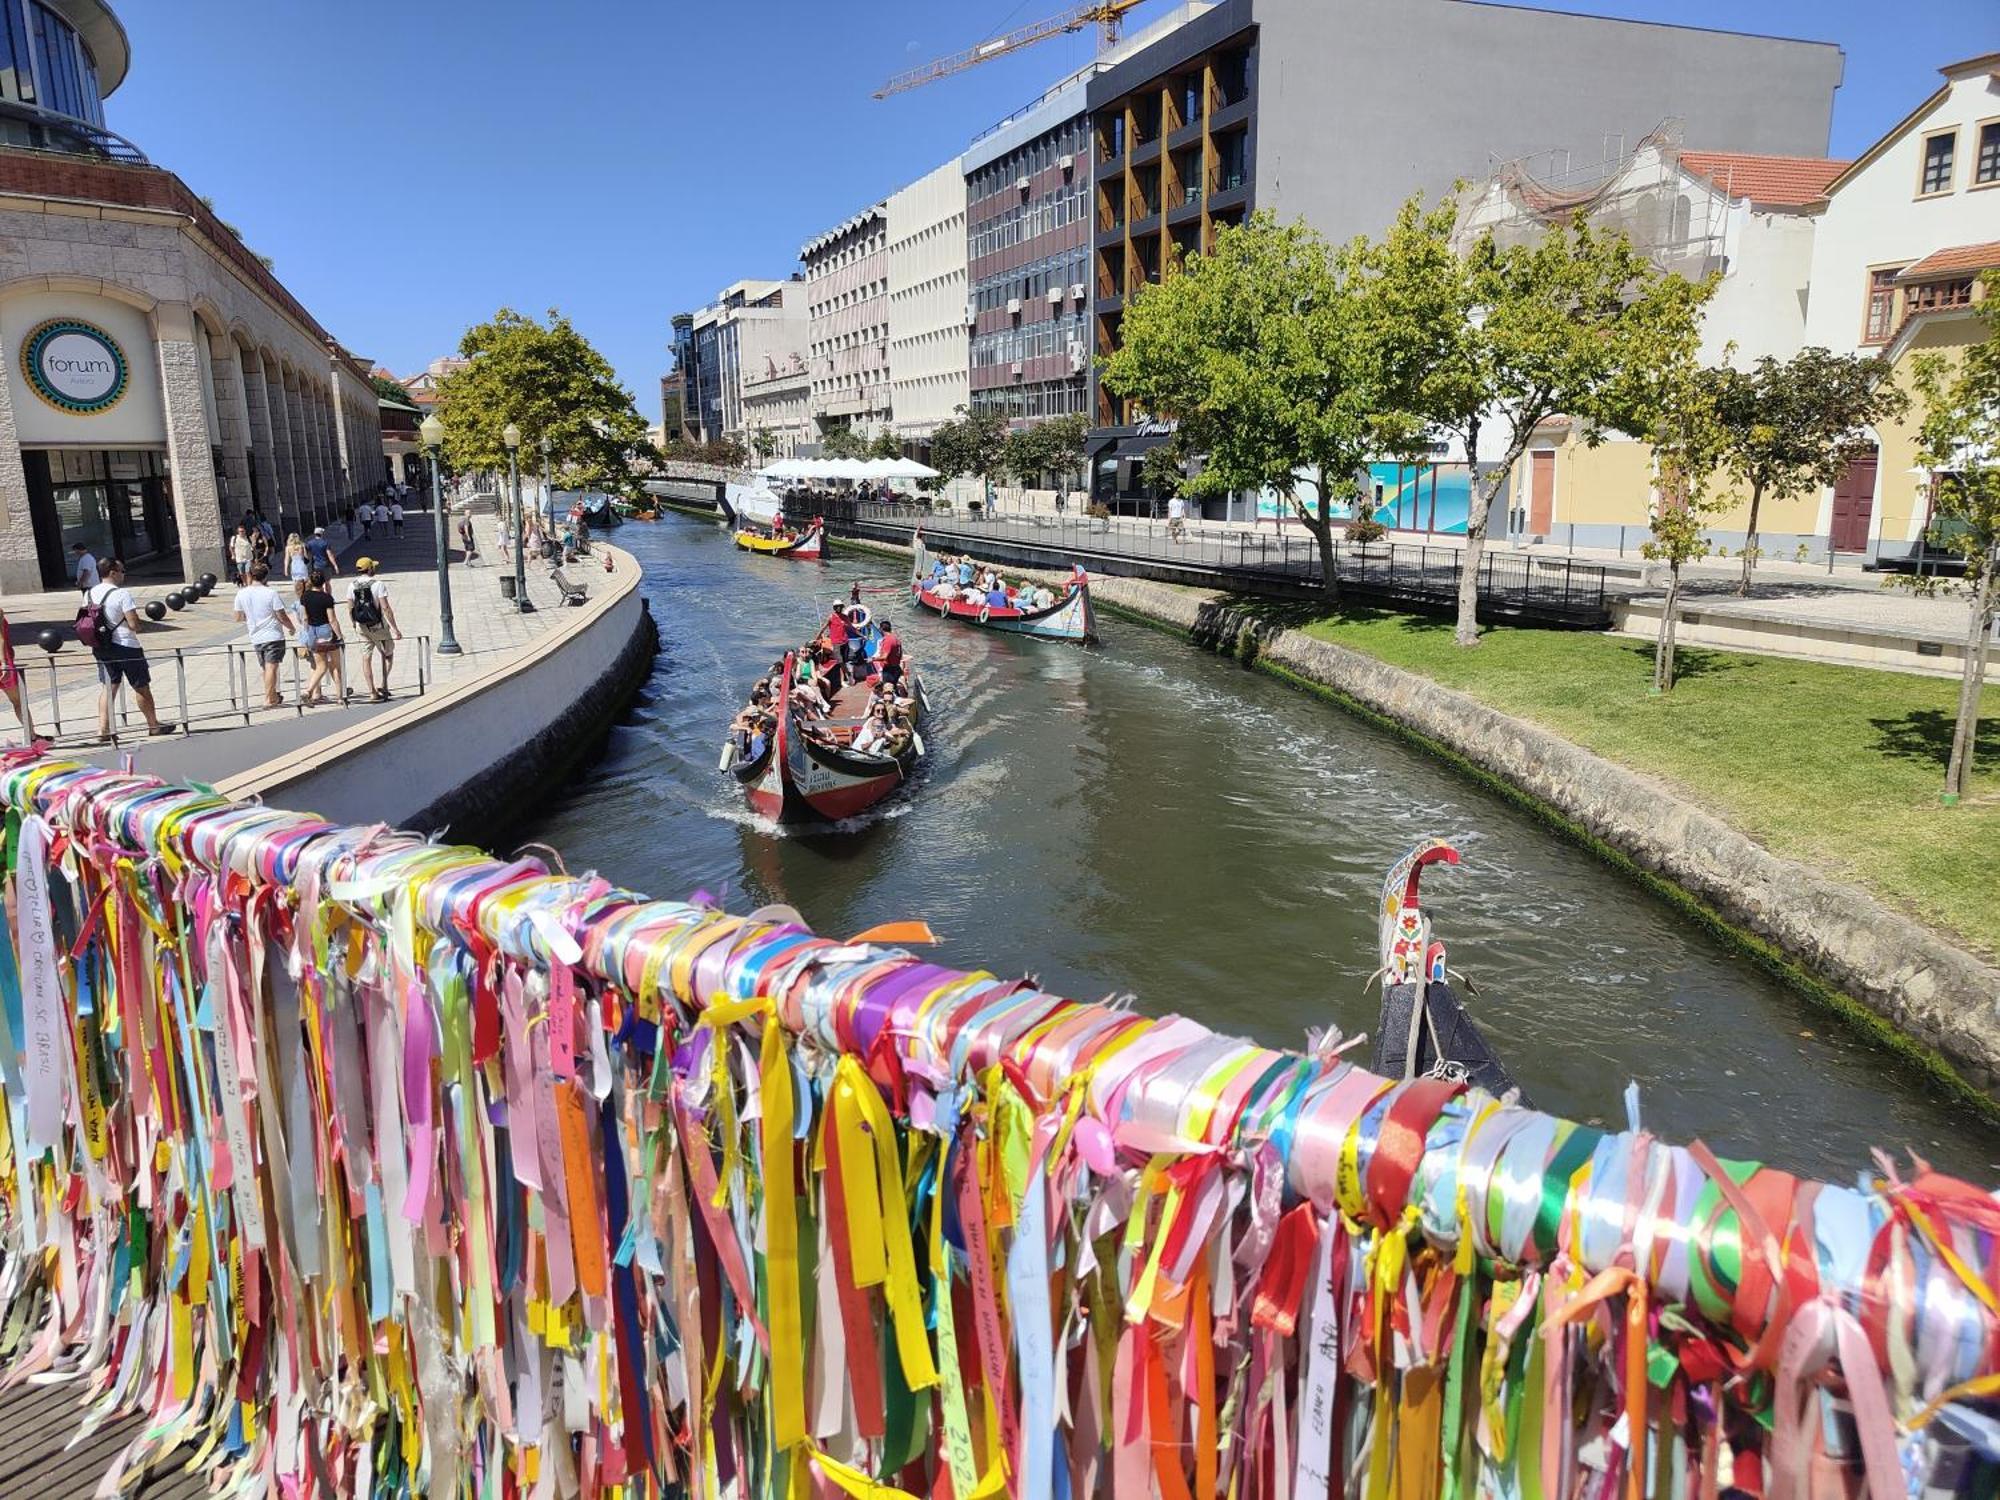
{"x": 1959, "y": 442}
{"x": 389, "y": 388}
{"x": 549, "y": 381}
{"x": 1054, "y": 446}
{"x": 842, "y": 442}
{"x": 885, "y": 444}
{"x": 1793, "y": 426}
{"x": 1576, "y": 324}
{"x": 765, "y": 444}
{"x": 1261, "y": 352}
{"x": 1687, "y": 439}
{"x": 971, "y": 443}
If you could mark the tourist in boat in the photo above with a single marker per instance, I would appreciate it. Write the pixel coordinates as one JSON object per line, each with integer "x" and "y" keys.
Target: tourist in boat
{"x": 965, "y": 572}
{"x": 872, "y": 738}
{"x": 839, "y": 634}
{"x": 996, "y": 594}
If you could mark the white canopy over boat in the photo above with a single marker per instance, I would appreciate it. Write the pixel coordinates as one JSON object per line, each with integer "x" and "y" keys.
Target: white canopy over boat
{"x": 787, "y": 470}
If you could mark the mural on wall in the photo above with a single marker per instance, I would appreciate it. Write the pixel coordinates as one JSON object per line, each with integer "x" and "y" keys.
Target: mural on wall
{"x": 1408, "y": 497}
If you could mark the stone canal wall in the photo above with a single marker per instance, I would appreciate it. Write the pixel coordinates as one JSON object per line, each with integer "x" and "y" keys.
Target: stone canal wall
{"x": 1926, "y": 988}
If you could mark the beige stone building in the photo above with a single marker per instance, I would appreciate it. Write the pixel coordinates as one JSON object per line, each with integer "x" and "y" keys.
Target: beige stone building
{"x": 160, "y": 380}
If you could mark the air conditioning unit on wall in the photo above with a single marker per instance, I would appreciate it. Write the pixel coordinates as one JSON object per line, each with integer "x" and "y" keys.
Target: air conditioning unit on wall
{"x": 1023, "y": 182}
{"x": 1015, "y": 369}
{"x": 1066, "y": 161}
{"x": 1055, "y": 294}
{"x": 1077, "y": 358}
{"x": 1014, "y": 306}
{"x": 1076, "y": 291}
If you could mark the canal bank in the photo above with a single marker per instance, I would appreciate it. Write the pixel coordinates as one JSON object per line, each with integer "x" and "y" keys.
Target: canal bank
{"x": 1910, "y": 987}
{"x": 1141, "y": 819}
{"x": 473, "y": 754}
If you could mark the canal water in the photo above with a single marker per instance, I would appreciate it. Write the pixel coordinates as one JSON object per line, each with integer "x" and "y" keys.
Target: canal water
{"x": 1144, "y": 818}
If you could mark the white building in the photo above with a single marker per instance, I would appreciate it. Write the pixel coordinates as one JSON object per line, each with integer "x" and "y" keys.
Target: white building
{"x": 1741, "y": 216}
{"x": 776, "y": 401}
{"x": 928, "y": 326}
{"x": 847, "y": 307}
{"x": 1906, "y": 230}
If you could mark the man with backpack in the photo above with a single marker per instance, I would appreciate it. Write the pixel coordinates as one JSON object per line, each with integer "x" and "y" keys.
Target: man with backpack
{"x": 108, "y": 624}
{"x": 375, "y": 619}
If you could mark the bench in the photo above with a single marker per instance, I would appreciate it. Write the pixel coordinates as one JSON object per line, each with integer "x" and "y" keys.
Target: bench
{"x": 572, "y": 593}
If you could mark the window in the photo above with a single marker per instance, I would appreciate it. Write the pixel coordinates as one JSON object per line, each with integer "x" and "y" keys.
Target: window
{"x": 1881, "y": 305}
{"x": 1986, "y": 168}
{"x": 1938, "y": 153}
{"x": 1931, "y": 295}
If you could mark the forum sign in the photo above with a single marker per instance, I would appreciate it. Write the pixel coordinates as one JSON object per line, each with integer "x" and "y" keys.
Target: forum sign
{"x": 74, "y": 366}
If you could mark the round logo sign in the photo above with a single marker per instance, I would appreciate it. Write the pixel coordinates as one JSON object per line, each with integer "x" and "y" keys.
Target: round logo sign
{"x": 74, "y": 366}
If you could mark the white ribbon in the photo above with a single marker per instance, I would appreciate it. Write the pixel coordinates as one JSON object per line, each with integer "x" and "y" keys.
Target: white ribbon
{"x": 41, "y": 989}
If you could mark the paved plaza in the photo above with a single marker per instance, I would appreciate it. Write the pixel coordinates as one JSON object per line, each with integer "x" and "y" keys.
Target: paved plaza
{"x": 207, "y": 680}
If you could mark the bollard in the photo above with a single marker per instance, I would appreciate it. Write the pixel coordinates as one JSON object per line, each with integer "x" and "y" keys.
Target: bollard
{"x": 181, "y": 676}
{"x": 55, "y": 697}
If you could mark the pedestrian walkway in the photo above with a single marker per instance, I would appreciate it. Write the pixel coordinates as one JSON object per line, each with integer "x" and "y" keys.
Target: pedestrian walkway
{"x": 207, "y": 680}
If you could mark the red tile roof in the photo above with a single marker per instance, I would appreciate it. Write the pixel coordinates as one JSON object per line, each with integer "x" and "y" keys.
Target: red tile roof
{"x": 1961, "y": 259}
{"x": 1778, "y": 181}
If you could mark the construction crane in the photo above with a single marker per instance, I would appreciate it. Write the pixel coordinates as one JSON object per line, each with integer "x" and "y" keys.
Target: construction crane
{"x": 1104, "y": 14}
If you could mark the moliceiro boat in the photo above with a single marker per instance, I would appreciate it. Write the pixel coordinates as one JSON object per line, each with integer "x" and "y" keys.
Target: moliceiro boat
{"x": 807, "y": 546}
{"x": 1067, "y": 617}
{"x": 797, "y": 764}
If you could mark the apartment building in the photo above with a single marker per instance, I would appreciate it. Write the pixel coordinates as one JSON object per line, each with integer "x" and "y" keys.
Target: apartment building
{"x": 847, "y": 315}
{"x": 928, "y": 326}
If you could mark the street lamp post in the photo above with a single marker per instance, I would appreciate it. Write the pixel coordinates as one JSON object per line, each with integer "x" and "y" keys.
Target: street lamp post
{"x": 432, "y": 432}
{"x": 548, "y": 495}
{"x": 511, "y": 436}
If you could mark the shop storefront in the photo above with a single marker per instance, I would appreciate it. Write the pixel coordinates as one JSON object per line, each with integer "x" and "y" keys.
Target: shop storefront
{"x": 116, "y": 501}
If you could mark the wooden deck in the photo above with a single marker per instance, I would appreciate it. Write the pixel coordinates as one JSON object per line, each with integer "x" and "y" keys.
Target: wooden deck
{"x": 36, "y": 1425}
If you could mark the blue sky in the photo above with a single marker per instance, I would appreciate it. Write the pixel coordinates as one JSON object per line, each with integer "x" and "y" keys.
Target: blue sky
{"x": 412, "y": 168}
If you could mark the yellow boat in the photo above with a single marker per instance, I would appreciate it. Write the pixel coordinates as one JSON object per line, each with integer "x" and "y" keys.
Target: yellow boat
{"x": 810, "y": 546}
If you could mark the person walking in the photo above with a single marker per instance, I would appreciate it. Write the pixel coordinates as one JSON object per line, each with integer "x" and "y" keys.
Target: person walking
{"x": 241, "y": 550}
{"x": 267, "y": 621}
{"x": 322, "y": 634}
{"x": 374, "y": 618}
{"x": 466, "y": 538}
{"x": 11, "y": 685}
{"x": 320, "y": 556}
{"x": 366, "y": 513}
{"x": 83, "y": 567}
{"x": 396, "y": 516}
{"x": 121, "y": 660}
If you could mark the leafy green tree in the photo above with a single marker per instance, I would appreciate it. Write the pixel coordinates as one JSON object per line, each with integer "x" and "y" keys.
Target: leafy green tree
{"x": 764, "y": 443}
{"x": 842, "y": 442}
{"x": 1576, "y": 324}
{"x": 389, "y": 388}
{"x": 972, "y": 443}
{"x": 1688, "y": 442}
{"x": 1959, "y": 443}
{"x": 1792, "y": 426}
{"x": 1053, "y": 447}
{"x": 549, "y": 381}
{"x": 885, "y": 444}
{"x": 1262, "y": 353}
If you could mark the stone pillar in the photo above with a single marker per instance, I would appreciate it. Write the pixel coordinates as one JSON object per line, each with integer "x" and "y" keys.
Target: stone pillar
{"x": 289, "y": 496}
{"x": 233, "y": 416}
{"x": 20, "y": 562}
{"x": 303, "y": 470}
{"x": 263, "y": 444}
{"x": 190, "y": 445}
{"x": 329, "y": 442}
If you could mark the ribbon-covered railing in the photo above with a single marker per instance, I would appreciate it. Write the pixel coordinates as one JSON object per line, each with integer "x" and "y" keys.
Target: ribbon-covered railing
{"x": 360, "y": 1165}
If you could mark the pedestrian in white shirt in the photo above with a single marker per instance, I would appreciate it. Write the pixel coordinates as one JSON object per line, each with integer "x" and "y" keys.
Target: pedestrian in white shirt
{"x": 85, "y": 567}
{"x": 267, "y": 620}
{"x": 396, "y": 515}
{"x": 120, "y": 657}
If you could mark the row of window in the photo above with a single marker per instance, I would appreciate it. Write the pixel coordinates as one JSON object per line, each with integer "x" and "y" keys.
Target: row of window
{"x": 1037, "y": 156}
{"x": 1031, "y": 283}
{"x": 1940, "y": 159}
{"x": 1033, "y": 341}
{"x": 1026, "y": 221}
{"x": 1183, "y": 101}
{"x": 1052, "y": 398}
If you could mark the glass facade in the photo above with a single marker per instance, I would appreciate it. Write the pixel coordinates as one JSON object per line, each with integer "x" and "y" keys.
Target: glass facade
{"x": 67, "y": 71}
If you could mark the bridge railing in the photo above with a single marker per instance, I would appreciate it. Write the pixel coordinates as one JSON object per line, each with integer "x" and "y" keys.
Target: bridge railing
{"x": 365, "y": 1164}
{"x": 1560, "y": 589}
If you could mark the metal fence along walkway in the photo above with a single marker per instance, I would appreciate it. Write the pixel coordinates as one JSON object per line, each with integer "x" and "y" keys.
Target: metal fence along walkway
{"x": 1512, "y": 586}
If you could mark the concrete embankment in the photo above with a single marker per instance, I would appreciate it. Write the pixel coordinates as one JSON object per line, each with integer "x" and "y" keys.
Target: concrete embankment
{"x": 1896, "y": 977}
{"x": 472, "y": 757}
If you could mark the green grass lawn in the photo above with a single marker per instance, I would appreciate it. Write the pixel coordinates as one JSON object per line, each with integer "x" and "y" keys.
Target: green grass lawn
{"x": 1837, "y": 767}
